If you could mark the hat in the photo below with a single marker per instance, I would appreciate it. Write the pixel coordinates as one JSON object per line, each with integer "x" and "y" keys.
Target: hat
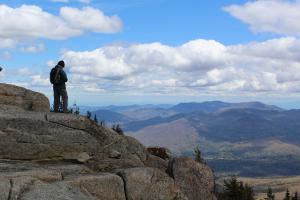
{"x": 61, "y": 63}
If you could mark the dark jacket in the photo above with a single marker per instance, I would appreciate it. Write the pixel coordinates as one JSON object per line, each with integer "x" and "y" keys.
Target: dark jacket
{"x": 62, "y": 76}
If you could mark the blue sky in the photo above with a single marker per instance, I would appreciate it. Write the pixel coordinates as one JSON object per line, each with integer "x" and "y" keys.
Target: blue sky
{"x": 159, "y": 51}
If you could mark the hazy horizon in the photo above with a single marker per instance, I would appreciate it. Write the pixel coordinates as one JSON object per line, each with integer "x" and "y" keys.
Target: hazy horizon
{"x": 292, "y": 105}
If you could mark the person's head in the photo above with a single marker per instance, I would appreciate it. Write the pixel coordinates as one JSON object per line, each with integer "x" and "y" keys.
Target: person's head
{"x": 61, "y": 63}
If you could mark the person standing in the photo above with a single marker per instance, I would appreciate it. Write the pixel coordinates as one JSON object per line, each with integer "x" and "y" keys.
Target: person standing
{"x": 58, "y": 78}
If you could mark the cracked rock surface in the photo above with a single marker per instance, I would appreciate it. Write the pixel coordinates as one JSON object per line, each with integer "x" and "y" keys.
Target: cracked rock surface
{"x": 50, "y": 156}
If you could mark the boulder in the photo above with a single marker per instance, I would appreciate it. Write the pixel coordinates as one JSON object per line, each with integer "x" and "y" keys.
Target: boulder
{"x": 115, "y": 154}
{"x": 194, "y": 179}
{"x": 46, "y": 175}
{"x": 156, "y": 162}
{"x": 81, "y": 157}
{"x": 5, "y": 186}
{"x": 42, "y": 136}
{"x": 23, "y": 98}
{"x": 103, "y": 186}
{"x": 161, "y": 152}
{"x": 148, "y": 184}
{"x": 54, "y": 191}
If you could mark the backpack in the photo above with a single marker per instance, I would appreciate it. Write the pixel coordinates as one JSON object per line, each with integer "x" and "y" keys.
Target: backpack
{"x": 55, "y": 76}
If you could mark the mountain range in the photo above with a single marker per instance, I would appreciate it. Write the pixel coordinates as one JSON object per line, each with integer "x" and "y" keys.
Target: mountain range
{"x": 251, "y": 135}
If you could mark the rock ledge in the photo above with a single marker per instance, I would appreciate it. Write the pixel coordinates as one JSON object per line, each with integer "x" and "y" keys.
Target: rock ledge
{"x": 50, "y": 156}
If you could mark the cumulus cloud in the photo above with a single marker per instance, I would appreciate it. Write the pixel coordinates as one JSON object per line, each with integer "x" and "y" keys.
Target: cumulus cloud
{"x": 280, "y": 16}
{"x": 114, "y": 62}
{"x": 90, "y": 19}
{"x": 196, "y": 66}
{"x": 32, "y": 22}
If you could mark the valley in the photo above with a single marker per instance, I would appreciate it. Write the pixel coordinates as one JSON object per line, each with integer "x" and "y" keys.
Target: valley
{"x": 259, "y": 143}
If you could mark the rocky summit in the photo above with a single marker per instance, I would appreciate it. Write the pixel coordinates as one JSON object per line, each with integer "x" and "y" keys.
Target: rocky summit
{"x": 53, "y": 156}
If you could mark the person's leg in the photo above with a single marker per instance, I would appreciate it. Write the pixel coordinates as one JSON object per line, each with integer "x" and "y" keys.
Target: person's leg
{"x": 56, "y": 99}
{"x": 64, "y": 95}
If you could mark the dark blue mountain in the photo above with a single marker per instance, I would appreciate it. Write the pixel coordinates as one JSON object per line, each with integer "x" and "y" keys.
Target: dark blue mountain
{"x": 110, "y": 116}
{"x": 214, "y": 106}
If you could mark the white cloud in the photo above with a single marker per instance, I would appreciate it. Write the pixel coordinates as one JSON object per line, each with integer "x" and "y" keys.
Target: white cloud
{"x": 114, "y": 62}
{"x": 38, "y": 80}
{"x": 218, "y": 76}
{"x": 196, "y": 66}
{"x": 7, "y": 43}
{"x": 31, "y": 22}
{"x": 6, "y": 55}
{"x": 34, "y": 48}
{"x": 90, "y": 19}
{"x": 51, "y": 63}
{"x": 166, "y": 83}
{"x": 278, "y": 16}
{"x": 21, "y": 84}
{"x": 286, "y": 48}
{"x": 94, "y": 88}
{"x": 25, "y": 72}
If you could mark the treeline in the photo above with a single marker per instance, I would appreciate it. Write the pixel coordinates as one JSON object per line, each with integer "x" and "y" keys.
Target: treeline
{"x": 237, "y": 190}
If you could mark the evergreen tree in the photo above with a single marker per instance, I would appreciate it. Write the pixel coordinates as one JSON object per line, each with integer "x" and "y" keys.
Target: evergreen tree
{"x": 102, "y": 123}
{"x": 295, "y": 196}
{"x": 95, "y": 119}
{"x": 236, "y": 190}
{"x": 287, "y": 195}
{"x": 118, "y": 129}
{"x": 88, "y": 114}
{"x": 247, "y": 193}
{"x": 270, "y": 195}
{"x": 198, "y": 156}
{"x": 231, "y": 189}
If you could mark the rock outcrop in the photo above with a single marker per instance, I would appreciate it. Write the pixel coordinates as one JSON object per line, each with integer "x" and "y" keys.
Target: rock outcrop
{"x": 23, "y": 98}
{"x": 195, "y": 180}
{"x": 54, "y": 156}
{"x": 148, "y": 183}
{"x": 161, "y": 152}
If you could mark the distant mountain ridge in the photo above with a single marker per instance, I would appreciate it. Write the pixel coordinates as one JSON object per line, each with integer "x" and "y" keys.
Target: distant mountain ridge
{"x": 214, "y": 106}
{"x": 135, "y": 113}
{"x": 110, "y": 116}
{"x": 245, "y": 141}
{"x": 253, "y": 135}
{"x": 235, "y": 124}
